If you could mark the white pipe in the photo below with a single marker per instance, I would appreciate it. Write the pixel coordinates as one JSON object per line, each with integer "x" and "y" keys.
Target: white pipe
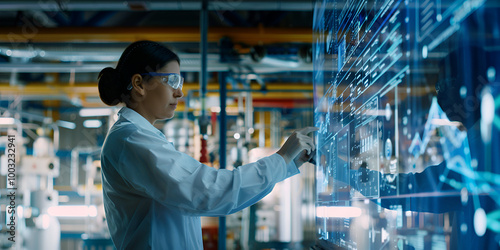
{"x": 88, "y": 189}
{"x": 74, "y": 169}
{"x": 248, "y": 116}
{"x": 75, "y": 154}
{"x": 56, "y": 137}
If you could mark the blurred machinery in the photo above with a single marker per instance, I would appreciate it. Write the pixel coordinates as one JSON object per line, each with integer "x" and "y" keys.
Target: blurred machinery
{"x": 34, "y": 194}
{"x": 55, "y": 70}
{"x": 180, "y": 133}
{"x": 42, "y": 215}
{"x": 91, "y": 222}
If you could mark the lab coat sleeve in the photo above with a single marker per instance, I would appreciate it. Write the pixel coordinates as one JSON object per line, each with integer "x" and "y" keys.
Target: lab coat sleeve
{"x": 153, "y": 167}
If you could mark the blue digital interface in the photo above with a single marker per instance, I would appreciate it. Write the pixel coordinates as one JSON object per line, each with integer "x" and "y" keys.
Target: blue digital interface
{"x": 407, "y": 102}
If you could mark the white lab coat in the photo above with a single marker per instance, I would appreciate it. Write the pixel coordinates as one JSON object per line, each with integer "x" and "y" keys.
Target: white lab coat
{"x": 154, "y": 195}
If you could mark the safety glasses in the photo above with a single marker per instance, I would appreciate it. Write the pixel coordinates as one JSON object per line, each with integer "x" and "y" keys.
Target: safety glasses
{"x": 173, "y": 79}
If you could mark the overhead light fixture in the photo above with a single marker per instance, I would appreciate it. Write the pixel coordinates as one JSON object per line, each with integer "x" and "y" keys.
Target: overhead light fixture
{"x": 92, "y": 123}
{"x": 72, "y": 211}
{"x": 65, "y": 124}
{"x": 279, "y": 62}
{"x": 86, "y": 112}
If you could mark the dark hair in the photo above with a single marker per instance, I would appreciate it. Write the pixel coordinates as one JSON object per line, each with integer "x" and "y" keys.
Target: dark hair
{"x": 138, "y": 58}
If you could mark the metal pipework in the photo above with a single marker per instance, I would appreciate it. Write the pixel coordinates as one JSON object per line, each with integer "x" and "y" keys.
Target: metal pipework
{"x": 75, "y": 154}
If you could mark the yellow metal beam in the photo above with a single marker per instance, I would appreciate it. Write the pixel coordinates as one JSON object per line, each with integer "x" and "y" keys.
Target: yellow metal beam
{"x": 50, "y": 90}
{"x": 251, "y": 36}
{"x": 90, "y": 88}
{"x": 85, "y": 90}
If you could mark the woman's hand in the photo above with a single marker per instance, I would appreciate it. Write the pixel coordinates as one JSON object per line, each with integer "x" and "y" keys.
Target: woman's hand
{"x": 299, "y": 146}
{"x": 303, "y": 157}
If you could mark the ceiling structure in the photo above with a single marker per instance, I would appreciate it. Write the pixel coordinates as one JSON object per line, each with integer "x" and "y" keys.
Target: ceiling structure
{"x": 51, "y": 51}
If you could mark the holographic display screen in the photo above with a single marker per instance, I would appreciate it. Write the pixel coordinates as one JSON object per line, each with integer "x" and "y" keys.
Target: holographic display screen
{"x": 407, "y": 99}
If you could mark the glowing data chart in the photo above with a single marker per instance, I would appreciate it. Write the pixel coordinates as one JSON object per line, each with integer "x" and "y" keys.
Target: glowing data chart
{"x": 409, "y": 123}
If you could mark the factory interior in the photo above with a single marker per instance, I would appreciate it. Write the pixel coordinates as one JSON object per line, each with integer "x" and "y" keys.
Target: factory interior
{"x": 400, "y": 100}
{"x": 51, "y": 52}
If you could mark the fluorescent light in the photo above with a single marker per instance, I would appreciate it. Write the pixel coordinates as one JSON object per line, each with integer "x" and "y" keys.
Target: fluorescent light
{"x": 72, "y": 211}
{"x": 7, "y": 121}
{"x": 338, "y": 212}
{"x": 279, "y": 62}
{"x": 86, "y": 112}
{"x": 92, "y": 123}
{"x": 65, "y": 124}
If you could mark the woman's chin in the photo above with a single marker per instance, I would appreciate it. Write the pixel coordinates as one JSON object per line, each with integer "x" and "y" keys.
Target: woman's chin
{"x": 168, "y": 115}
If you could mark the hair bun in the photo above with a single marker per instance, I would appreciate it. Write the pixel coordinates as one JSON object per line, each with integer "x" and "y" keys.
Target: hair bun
{"x": 109, "y": 86}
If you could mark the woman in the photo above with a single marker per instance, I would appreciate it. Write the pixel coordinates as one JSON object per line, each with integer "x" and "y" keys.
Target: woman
{"x": 153, "y": 194}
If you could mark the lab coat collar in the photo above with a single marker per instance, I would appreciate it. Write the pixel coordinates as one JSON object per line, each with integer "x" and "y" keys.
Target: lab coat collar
{"x": 139, "y": 120}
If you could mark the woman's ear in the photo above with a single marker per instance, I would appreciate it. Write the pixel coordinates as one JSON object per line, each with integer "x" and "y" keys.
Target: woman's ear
{"x": 138, "y": 84}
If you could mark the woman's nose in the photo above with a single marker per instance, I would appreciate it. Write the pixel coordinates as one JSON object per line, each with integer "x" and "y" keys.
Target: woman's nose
{"x": 178, "y": 93}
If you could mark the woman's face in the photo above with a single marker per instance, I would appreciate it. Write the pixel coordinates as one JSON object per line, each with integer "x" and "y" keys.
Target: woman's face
{"x": 161, "y": 100}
